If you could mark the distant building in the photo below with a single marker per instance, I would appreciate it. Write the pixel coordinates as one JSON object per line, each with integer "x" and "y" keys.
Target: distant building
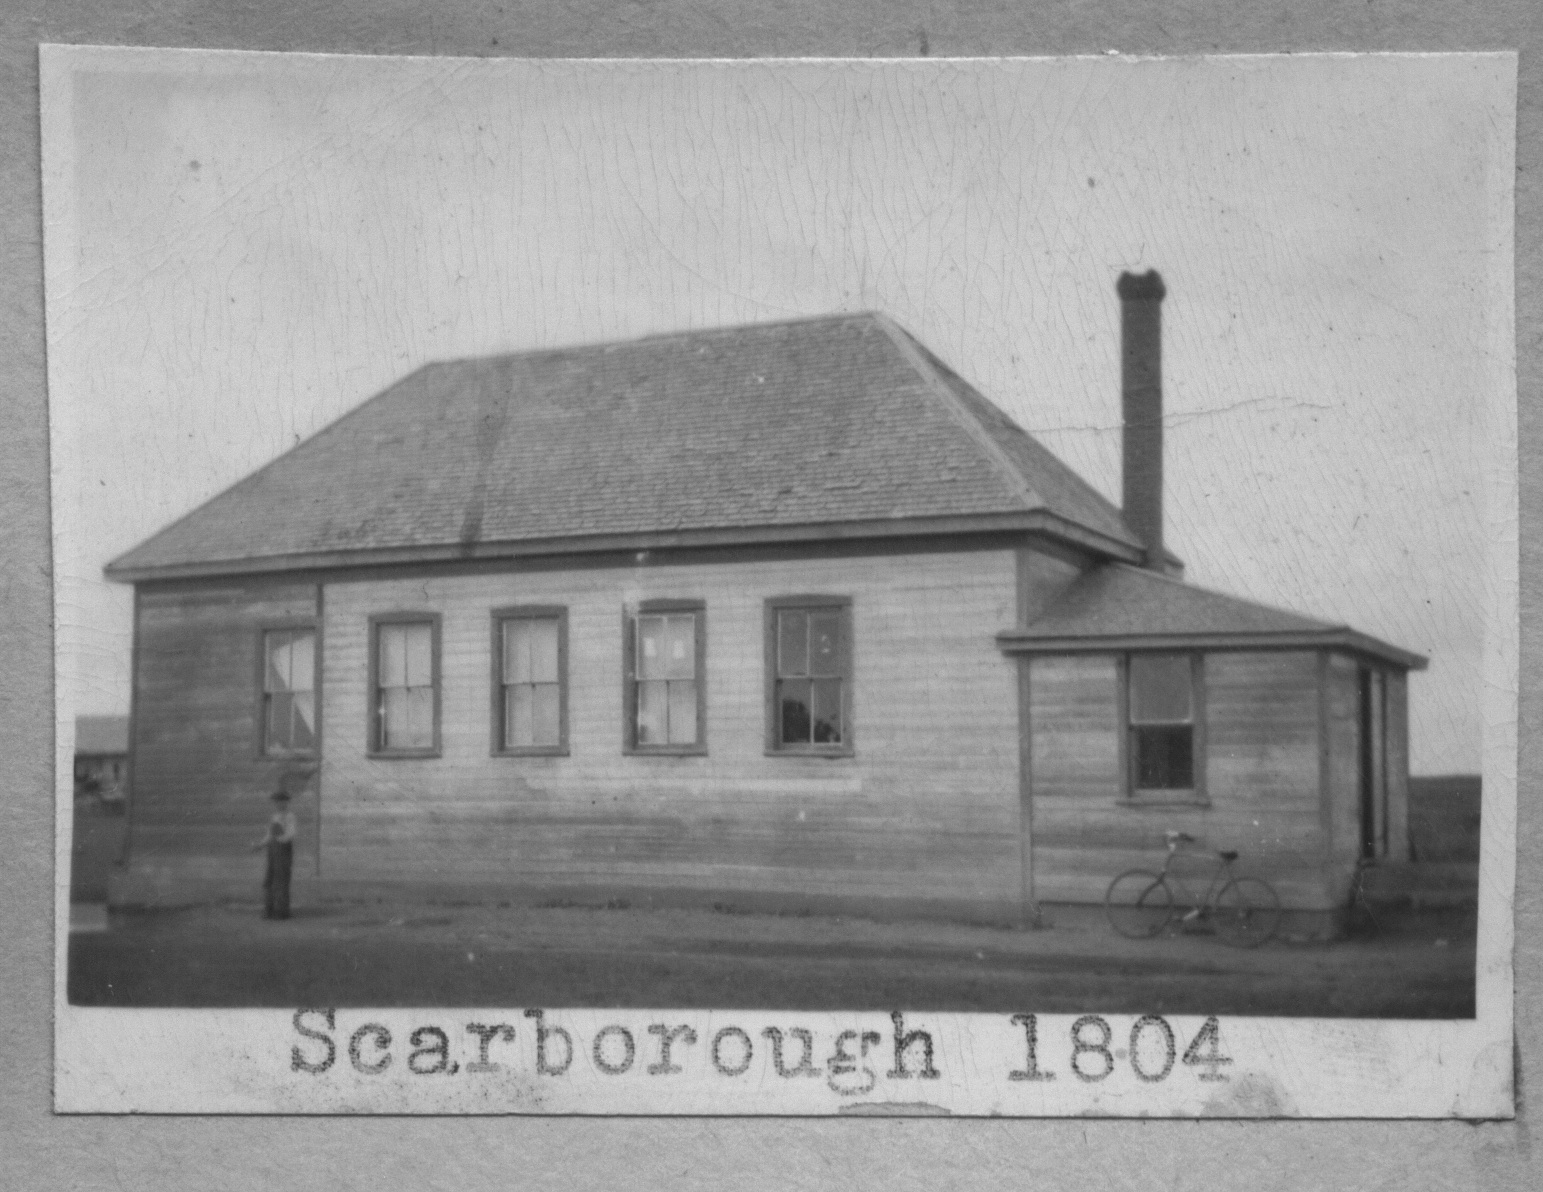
{"x": 784, "y": 615}
{"x": 102, "y": 757}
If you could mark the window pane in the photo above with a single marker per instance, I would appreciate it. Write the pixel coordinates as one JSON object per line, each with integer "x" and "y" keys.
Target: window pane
{"x": 420, "y": 655}
{"x": 1160, "y": 688}
{"x": 393, "y": 655}
{"x": 279, "y": 718}
{"x": 543, "y": 649}
{"x": 653, "y": 704}
{"x": 1165, "y": 758}
{"x": 304, "y": 733}
{"x": 420, "y": 705}
{"x": 792, "y": 642}
{"x": 519, "y": 716}
{"x": 516, "y": 652}
{"x": 276, "y": 674}
{"x": 825, "y": 642}
{"x": 682, "y": 713}
{"x": 546, "y": 728}
{"x": 302, "y": 661}
{"x": 530, "y": 650}
{"x": 680, "y": 636}
{"x": 394, "y": 731}
{"x": 827, "y": 712}
{"x": 793, "y": 700}
{"x": 651, "y": 649}
{"x": 409, "y": 718}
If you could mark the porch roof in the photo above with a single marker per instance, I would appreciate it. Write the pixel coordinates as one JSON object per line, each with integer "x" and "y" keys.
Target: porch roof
{"x": 1117, "y": 607}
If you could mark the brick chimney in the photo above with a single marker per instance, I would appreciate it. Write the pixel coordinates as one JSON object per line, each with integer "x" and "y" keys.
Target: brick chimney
{"x": 1141, "y": 404}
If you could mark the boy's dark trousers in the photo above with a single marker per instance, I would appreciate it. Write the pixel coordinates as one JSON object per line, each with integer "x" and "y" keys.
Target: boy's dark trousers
{"x": 281, "y": 859}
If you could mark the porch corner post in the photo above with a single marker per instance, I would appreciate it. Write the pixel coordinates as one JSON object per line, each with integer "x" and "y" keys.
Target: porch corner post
{"x": 1028, "y": 912}
{"x": 1325, "y": 779}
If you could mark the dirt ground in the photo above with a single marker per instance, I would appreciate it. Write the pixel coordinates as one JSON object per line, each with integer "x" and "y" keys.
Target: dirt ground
{"x": 1415, "y": 965}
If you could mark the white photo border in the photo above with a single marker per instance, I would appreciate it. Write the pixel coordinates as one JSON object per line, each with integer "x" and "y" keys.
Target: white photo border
{"x": 259, "y": 1061}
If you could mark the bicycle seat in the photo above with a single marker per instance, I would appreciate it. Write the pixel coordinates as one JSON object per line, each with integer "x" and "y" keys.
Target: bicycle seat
{"x": 1179, "y": 837}
{"x": 1228, "y": 855}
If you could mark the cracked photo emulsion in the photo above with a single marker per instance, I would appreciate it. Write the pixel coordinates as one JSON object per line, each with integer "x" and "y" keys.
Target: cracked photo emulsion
{"x": 979, "y": 587}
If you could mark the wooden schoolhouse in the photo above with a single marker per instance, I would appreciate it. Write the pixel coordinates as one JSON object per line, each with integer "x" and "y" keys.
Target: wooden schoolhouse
{"x": 780, "y": 616}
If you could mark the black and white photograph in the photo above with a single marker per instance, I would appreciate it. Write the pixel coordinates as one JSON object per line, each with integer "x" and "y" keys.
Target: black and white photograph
{"x": 783, "y": 586}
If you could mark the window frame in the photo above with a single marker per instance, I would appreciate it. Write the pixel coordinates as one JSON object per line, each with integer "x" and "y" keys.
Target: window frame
{"x": 287, "y": 625}
{"x": 527, "y": 612}
{"x": 630, "y": 744}
{"x": 373, "y": 721}
{"x": 808, "y": 602}
{"x": 1193, "y": 796}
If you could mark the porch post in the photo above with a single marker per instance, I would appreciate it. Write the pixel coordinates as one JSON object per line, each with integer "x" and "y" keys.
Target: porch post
{"x": 1028, "y": 907}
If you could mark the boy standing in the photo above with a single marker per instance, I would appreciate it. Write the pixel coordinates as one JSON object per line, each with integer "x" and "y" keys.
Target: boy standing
{"x": 280, "y": 843}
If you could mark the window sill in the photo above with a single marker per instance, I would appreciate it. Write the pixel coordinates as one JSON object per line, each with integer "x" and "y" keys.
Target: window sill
{"x": 533, "y": 751}
{"x": 393, "y": 755}
{"x": 1164, "y": 799}
{"x": 665, "y": 751}
{"x": 812, "y": 751}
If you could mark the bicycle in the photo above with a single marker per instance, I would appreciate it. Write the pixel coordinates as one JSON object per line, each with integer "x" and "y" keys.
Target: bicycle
{"x": 1244, "y": 911}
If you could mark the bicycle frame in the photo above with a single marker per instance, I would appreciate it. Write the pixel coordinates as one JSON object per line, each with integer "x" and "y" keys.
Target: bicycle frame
{"x": 1221, "y": 874}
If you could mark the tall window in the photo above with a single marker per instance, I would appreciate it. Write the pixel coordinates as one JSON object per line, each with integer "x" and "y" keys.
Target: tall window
{"x": 666, "y": 677}
{"x": 289, "y": 691}
{"x": 809, "y": 668}
{"x": 405, "y": 679}
{"x": 1163, "y": 714}
{"x": 530, "y": 651}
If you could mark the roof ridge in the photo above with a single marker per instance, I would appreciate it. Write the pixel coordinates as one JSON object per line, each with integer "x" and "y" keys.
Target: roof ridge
{"x": 1148, "y": 573}
{"x": 1017, "y": 485}
{"x": 653, "y": 337}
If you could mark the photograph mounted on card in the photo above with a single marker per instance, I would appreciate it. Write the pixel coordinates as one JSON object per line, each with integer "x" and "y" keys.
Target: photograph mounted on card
{"x": 962, "y": 586}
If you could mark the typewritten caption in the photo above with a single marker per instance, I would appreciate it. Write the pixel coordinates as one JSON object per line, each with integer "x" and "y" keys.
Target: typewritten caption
{"x": 852, "y": 1062}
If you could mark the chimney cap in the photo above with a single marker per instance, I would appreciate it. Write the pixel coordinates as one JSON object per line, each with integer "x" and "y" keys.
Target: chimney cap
{"x": 1141, "y": 287}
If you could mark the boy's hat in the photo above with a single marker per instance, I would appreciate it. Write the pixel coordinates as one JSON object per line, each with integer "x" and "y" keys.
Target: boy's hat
{"x": 280, "y": 797}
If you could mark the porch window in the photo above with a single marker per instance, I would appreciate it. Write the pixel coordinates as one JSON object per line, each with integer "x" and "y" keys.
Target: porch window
{"x": 289, "y": 692}
{"x": 666, "y": 687}
{"x": 809, "y": 674}
{"x": 1163, "y": 698}
{"x": 404, "y": 679}
{"x": 530, "y": 652}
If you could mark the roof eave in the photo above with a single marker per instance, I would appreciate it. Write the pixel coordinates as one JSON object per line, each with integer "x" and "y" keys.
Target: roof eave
{"x": 1036, "y": 521}
{"x": 1020, "y": 641}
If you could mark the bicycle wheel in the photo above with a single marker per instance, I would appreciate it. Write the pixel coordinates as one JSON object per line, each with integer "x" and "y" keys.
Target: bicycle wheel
{"x": 1138, "y": 903}
{"x": 1247, "y": 912}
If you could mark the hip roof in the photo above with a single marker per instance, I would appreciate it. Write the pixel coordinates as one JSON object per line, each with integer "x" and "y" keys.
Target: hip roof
{"x": 753, "y": 432}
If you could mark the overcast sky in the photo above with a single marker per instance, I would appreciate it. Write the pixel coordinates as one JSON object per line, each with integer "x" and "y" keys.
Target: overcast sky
{"x": 243, "y": 247}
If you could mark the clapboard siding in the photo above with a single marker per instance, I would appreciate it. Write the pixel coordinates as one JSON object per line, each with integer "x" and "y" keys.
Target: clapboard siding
{"x": 1073, "y": 721}
{"x": 1063, "y": 875}
{"x": 200, "y": 784}
{"x": 927, "y": 808}
{"x": 1261, "y": 744}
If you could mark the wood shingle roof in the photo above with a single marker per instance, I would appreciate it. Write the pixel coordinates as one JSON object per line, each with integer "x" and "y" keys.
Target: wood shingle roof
{"x": 766, "y": 432}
